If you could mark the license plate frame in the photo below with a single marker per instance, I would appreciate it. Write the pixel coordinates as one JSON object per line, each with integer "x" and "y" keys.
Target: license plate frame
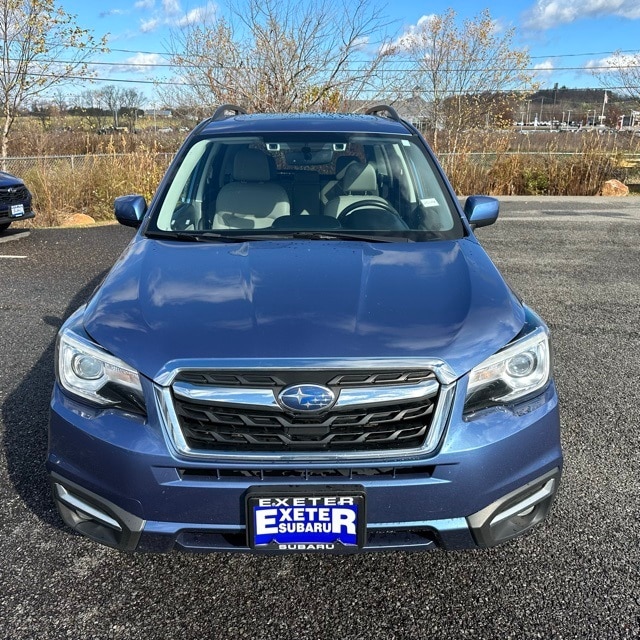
{"x": 17, "y": 210}
{"x": 326, "y": 519}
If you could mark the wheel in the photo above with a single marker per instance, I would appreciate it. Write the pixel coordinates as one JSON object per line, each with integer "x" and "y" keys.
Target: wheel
{"x": 374, "y": 215}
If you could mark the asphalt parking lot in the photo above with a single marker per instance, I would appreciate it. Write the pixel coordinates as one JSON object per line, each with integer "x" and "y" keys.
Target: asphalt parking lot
{"x": 575, "y": 260}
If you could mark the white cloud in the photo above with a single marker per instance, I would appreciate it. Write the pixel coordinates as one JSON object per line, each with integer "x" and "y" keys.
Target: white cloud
{"x": 199, "y": 14}
{"x": 545, "y": 67}
{"x": 612, "y": 62}
{"x": 410, "y": 36}
{"x": 144, "y": 4}
{"x": 546, "y": 14}
{"x": 424, "y": 20}
{"x": 113, "y": 12}
{"x": 171, "y": 7}
{"x": 193, "y": 16}
{"x": 139, "y": 63}
{"x": 147, "y": 26}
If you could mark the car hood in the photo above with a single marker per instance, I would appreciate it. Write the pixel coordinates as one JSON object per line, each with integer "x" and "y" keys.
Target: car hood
{"x": 8, "y": 180}
{"x": 167, "y": 304}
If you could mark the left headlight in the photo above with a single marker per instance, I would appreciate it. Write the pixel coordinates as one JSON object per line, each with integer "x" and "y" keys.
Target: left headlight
{"x": 519, "y": 370}
{"x": 86, "y": 370}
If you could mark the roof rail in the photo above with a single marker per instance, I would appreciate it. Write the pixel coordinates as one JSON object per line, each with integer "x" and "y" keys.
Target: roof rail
{"x": 227, "y": 111}
{"x": 379, "y": 109}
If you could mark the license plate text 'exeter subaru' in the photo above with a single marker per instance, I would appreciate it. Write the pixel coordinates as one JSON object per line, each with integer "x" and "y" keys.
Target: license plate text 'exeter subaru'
{"x": 305, "y": 523}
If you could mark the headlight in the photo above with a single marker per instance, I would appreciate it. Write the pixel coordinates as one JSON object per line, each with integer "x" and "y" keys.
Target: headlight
{"x": 517, "y": 371}
{"x": 86, "y": 370}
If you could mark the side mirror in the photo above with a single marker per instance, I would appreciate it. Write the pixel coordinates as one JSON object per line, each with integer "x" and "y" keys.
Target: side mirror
{"x": 130, "y": 210}
{"x": 481, "y": 211}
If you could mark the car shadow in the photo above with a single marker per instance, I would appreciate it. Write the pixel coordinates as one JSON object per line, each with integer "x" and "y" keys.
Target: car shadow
{"x": 25, "y": 415}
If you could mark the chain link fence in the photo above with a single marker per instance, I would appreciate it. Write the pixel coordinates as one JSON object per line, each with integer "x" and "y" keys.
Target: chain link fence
{"x": 21, "y": 165}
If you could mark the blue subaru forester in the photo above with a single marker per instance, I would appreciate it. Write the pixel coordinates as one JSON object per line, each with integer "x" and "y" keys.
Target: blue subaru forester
{"x": 304, "y": 348}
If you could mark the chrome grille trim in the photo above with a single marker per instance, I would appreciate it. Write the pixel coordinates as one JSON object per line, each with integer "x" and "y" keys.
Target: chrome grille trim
{"x": 227, "y": 396}
{"x": 444, "y": 373}
{"x": 352, "y": 397}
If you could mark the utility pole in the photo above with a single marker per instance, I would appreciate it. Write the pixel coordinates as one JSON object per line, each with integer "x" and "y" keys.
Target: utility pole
{"x": 604, "y": 102}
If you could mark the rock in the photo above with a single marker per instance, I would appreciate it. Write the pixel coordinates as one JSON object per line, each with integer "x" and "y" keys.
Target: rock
{"x": 78, "y": 220}
{"x": 614, "y": 188}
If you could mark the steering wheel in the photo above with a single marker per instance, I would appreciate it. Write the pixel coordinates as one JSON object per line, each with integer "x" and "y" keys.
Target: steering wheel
{"x": 372, "y": 215}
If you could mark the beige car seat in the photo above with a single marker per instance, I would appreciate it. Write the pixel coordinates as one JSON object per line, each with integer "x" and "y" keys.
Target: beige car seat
{"x": 251, "y": 200}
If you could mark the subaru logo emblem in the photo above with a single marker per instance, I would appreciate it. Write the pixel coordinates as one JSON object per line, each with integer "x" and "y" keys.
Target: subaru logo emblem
{"x": 307, "y": 398}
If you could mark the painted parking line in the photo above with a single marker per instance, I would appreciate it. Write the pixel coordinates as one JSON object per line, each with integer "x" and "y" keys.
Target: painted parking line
{"x": 14, "y": 257}
{"x": 568, "y": 218}
{"x": 11, "y": 236}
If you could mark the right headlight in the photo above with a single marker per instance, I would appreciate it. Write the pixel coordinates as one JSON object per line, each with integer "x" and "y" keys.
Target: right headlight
{"x": 519, "y": 370}
{"x": 87, "y": 371}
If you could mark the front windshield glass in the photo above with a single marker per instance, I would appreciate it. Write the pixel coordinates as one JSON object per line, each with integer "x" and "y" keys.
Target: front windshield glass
{"x": 332, "y": 184}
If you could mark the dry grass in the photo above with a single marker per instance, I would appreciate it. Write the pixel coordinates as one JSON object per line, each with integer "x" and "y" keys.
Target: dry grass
{"x": 91, "y": 186}
{"x": 533, "y": 168}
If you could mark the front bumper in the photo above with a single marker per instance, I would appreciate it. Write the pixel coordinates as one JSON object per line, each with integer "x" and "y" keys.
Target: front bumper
{"x": 494, "y": 476}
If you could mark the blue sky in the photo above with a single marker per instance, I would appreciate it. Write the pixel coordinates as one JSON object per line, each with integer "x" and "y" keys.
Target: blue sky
{"x": 563, "y": 37}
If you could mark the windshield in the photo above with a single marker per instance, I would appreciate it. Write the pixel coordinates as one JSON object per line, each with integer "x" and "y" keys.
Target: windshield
{"x": 307, "y": 185}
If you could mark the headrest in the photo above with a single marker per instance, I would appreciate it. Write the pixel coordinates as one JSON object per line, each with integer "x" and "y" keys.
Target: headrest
{"x": 360, "y": 179}
{"x": 342, "y": 162}
{"x": 251, "y": 165}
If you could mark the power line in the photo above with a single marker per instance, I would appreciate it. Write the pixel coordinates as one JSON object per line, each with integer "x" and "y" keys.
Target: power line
{"x": 405, "y": 91}
{"x": 153, "y": 65}
{"x": 538, "y": 57}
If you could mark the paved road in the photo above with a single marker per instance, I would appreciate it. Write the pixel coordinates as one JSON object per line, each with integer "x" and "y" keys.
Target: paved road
{"x": 575, "y": 260}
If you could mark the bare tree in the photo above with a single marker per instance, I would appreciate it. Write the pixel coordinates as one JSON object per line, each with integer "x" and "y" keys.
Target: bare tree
{"x": 131, "y": 100}
{"x": 279, "y": 55}
{"x": 43, "y": 110}
{"x": 36, "y": 36}
{"x": 452, "y": 66}
{"x": 93, "y": 108}
{"x": 110, "y": 97}
{"x": 621, "y": 73}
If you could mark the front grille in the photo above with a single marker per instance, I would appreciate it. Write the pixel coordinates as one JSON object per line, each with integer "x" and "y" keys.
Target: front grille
{"x": 14, "y": 195}
{"x": 374, "y": 426}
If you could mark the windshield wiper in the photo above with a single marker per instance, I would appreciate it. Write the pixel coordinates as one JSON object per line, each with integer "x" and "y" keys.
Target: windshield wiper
{"x": 206, "y": 236}
{"x": 342, "y": 235}
{"x": 210, "y": 236}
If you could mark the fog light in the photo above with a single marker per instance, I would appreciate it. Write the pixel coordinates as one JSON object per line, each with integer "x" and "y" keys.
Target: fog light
{"x": 516, "y": 512}
{"x": 84, "y": 510}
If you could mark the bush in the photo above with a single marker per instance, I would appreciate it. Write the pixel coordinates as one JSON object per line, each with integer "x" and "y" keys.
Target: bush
{"x": 91, "y": 184}
{"x": 503, "y": 170}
